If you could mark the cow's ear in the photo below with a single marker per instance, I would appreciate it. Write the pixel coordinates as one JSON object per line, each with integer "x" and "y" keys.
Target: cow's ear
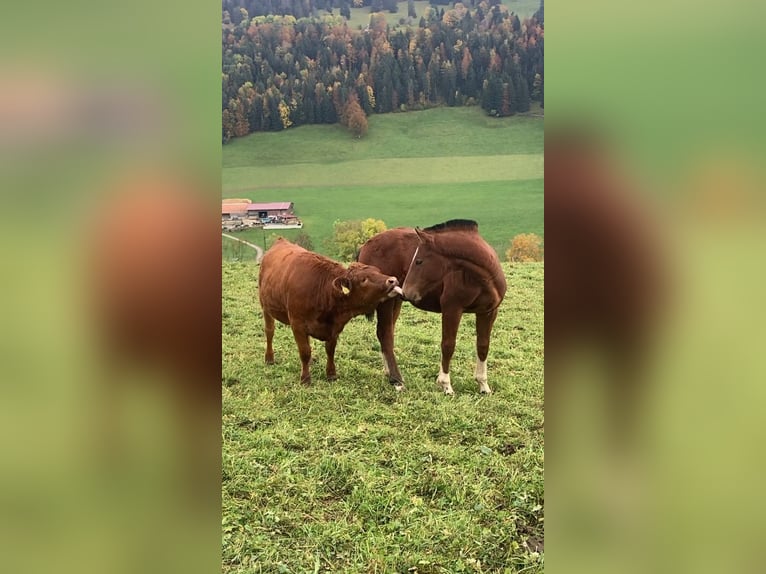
{"x": 342, "y": 284}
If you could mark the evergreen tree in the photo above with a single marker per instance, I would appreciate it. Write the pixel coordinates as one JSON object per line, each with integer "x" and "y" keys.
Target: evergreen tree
{"x": 227, "y": 125}
{"x": 492, "y": 97}
{"x": 448, "y": 83}
{"x": 523, "y": 96}
{"x": 256, "y": 115}
{"x": 411, "y": 9}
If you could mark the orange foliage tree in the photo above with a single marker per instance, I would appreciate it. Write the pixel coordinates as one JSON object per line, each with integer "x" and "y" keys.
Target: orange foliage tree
{"x": 356, "y": 120}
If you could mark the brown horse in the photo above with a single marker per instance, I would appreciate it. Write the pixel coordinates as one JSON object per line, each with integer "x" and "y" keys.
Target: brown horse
{"x": 449, "y": 269}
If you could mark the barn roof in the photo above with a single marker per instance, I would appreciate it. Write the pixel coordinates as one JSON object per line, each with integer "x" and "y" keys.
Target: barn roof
{"x": 234, "y": 207}
{"x": 270, "y": 206}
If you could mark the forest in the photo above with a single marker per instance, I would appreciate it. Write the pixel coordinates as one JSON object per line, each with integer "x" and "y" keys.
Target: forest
{"x": 288, "y": 63}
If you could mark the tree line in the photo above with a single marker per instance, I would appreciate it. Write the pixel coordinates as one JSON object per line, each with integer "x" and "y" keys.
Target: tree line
{"x": 281, "y": 71}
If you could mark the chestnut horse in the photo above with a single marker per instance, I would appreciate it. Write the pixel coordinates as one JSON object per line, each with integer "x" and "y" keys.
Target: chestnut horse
{"x": 449, "y": 269}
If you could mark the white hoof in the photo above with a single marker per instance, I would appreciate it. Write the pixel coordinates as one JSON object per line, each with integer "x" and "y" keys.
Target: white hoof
{"x": 484, "y": 388}
{"x": 480, "y": 374}
{"x": 444, "y": 382}
{"x": 386, "y": 370}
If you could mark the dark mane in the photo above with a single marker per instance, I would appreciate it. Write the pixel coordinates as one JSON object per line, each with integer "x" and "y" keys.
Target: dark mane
{"x": 467, "y": 224}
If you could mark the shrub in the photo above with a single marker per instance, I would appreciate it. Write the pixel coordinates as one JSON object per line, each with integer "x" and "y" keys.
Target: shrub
{"x": 304, "y": 240}
{"x": 525, "y": 247}
{"x": 348, "y": 236}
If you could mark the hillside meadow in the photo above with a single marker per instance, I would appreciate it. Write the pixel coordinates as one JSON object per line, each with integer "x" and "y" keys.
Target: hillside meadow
{"x": 415, "y": 168}
{"x": 350, "y": 476}
{"x": 360, "y": 17}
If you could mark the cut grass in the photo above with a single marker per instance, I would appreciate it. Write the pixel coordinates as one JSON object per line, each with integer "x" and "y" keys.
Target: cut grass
{"x": 435, "y": 170}
{"x": 352, "y": 477}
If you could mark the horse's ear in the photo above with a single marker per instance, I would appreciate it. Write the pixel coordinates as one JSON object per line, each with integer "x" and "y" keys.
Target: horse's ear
{"x": 424, "y": 236}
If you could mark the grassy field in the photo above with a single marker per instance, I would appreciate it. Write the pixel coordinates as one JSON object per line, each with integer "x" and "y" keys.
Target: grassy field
{"x": 411, "y": 205}
{"x": 350, "y": 476}
{"x": 416, "y": 168}
{"x": 360, "y": 17}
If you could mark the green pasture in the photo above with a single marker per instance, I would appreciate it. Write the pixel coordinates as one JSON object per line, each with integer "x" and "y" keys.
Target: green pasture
{"x": 434, "y": 133}
{"x": 502, "y": 208}
{"x": 413, "y": 169}
{"x": 350, "y": 476}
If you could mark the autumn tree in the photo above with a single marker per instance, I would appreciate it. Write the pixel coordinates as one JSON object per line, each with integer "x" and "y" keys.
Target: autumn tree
{"x": 505, "y": 104}
{"x": 348, "y": 236}
{"x": 356, "y": 120}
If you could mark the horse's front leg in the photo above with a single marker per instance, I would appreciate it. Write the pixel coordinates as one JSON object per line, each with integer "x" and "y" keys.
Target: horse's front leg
{"x": 484, "y": 324}
{"x": 450, "y": 323}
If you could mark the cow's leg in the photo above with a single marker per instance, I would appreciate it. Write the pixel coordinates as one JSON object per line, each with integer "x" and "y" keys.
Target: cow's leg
{"x": 388, "y": 313}
{"x": 304, "y": 350}
{"x": 484, "y": 324}
{"x": 450, "y": 324}
{"x": 329, "y": 347}
{"x": 269, "y": 323}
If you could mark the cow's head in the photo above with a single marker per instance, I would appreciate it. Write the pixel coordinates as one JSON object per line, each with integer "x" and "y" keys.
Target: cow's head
{"x": 364, "y": 285}
{"x": 425, "y": 268}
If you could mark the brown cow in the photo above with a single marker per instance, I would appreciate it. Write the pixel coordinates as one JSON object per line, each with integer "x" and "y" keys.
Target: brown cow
{"x": 447, "y": 269}
{"x": 316, "y": 296}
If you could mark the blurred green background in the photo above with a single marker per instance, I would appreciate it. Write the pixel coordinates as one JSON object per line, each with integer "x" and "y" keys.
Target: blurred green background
{"x": 97, "y": 100}
{"x": 92, "y": 94}
{"x": 677, "y": 89}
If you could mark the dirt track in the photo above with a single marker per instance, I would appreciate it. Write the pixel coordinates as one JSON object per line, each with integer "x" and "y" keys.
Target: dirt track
{"x": 258, "y": 250}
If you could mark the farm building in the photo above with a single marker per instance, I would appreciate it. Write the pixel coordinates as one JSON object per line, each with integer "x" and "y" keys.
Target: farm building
{"x": 245, "y": 208}
{"x": 234, "y": 208}
{"x": 262, "y": 210}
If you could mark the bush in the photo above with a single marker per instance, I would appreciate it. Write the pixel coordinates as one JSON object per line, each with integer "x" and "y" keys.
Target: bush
{"x": 524, "y": 248}
{"x": 348, "y": 236}
{"x": 304, "y": 240}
